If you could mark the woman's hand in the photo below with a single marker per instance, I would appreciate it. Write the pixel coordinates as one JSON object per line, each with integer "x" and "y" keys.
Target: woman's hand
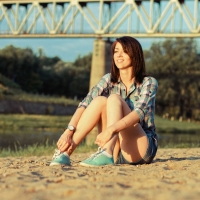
{"x": 104, "y": 137}
{"x": 65, "y": 141}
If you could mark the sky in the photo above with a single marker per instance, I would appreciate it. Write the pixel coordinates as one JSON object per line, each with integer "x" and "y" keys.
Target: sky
{"x": 67, "y": 49}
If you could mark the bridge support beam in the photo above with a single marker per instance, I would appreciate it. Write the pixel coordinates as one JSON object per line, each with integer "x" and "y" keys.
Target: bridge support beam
{"x": 101, "y": 60}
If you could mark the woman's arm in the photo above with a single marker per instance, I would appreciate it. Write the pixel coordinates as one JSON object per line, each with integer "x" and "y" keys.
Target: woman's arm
{"x": 96, "y": 91}
{"x": 77, "y": 115}
{"x": 144, "y": 105}
{"x": 131, "y": 119}
{"x": 65, "y": 141}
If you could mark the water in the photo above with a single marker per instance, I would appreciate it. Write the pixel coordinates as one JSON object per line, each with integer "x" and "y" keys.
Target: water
{"x": 179, "y": 140}
{"x": 10, "y": 139}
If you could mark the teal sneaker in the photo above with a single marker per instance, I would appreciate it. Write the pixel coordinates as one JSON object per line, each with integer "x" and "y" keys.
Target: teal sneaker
{"x": 100, "y": 158}
{"x": 60, "y": 158}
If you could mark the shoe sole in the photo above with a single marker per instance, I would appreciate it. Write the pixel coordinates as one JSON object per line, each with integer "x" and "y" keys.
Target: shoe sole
{"x": 54, "y": 164}
{"x": 88, "y": 165}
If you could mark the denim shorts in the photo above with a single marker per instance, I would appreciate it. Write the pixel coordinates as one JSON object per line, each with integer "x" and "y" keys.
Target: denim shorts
{"x": 149, "y": 155}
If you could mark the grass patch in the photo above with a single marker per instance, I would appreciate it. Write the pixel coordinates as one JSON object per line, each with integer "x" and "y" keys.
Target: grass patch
{"x": 31, "y": 150}
{"x": 15, "y": 93}
{"x": 168, "y": 126}
{"x": 44, "y": 99}
{"x": 24, "y": 121}
{"x": 48, "y": 150}
{"x": 179, "y": 145}
{"x": 41, "y": 150}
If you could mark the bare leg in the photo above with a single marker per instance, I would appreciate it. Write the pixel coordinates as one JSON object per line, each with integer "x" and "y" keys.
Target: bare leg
{"x": 94, "y": 113}
{"x": 133, "y": 140}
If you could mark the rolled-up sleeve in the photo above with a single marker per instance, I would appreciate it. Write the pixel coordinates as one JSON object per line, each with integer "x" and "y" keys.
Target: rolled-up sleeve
{"x": 95, "y": 91}
{"x": 146, "y": 102}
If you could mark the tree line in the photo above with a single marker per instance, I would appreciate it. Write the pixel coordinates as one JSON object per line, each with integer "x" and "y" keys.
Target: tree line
{"x": 176, "y": 66}
{"x": 43, "y": 75}
{"x": 174, "y": 63}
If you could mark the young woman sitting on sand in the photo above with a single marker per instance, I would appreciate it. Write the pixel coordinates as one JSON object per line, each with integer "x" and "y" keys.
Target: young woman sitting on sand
{"x": 122, "y": 104}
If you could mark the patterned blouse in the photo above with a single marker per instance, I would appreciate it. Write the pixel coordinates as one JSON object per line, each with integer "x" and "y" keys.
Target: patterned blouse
{"x": 140, "y": 97}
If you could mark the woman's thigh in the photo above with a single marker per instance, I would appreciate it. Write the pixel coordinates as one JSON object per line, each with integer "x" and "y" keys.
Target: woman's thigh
{"x": 133, "y": 140}
{"x": 133, "y": 143}
{"x": 148, "y": 157}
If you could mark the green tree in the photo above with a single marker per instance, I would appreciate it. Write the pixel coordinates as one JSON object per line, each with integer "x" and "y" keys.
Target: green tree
{"x": 80, "y": 85}
{"x": 44, "y": 75}
{"x": 21, "y": 66}
{"x": 176, "y": 66}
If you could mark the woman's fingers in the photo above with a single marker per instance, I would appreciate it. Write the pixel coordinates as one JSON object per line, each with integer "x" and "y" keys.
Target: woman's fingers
{"x": 100, "y": 143}
{"x": 70, "y": 148}
{"x": 61, "y": 145}
{"x": 65, "y": 146}
{"x": 97, "y": 141}
{"x": 58, "y": 143}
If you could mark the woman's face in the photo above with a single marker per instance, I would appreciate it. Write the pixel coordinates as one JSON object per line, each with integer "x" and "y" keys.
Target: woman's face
{"x": 121, "y": 58}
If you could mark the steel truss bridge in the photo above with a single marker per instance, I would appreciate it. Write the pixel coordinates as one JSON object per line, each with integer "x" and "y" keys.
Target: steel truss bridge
{"x": 99, "y": 18}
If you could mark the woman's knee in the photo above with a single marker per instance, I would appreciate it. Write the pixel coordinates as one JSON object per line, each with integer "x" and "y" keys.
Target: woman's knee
{"x": 99, "y": 101}
{"x": 114, "y": 98}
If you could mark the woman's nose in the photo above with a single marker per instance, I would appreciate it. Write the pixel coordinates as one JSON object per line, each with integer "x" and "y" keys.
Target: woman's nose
{"x": 119, "y": 54}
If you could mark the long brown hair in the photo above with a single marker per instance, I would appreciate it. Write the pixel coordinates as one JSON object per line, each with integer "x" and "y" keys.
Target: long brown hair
{"x": 133, "y": 48}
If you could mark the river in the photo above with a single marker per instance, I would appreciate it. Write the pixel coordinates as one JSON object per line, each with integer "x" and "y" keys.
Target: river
{"x": 11, "y": 139}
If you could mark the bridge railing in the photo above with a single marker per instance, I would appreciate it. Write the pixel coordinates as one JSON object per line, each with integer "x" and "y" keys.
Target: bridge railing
{"x": 92, "y": 18}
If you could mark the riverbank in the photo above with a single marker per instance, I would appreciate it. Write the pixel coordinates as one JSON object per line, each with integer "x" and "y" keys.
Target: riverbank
{"x": 45, "y": 107}
{"x": 172, "y": 175}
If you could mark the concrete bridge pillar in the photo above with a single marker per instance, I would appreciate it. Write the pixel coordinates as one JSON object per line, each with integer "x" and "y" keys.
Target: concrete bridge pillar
{"x": 101, "y": 60}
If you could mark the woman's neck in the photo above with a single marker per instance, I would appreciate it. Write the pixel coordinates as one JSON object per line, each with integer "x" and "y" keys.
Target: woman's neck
{"x": 126, "y": 77}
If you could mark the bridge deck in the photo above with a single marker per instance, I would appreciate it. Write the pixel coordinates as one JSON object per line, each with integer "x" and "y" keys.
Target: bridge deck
{"x": 98, "y": 18}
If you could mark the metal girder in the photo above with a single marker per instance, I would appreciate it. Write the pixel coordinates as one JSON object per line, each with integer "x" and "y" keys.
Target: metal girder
{"x": 92, "y": 18}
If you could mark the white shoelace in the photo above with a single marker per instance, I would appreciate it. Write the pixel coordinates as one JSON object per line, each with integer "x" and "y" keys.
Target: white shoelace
{"x": 56, "y": 154}
{"x": 96, "y": 153}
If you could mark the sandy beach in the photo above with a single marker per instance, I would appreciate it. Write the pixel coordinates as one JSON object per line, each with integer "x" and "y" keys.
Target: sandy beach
{"x": 174, "y": 174}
